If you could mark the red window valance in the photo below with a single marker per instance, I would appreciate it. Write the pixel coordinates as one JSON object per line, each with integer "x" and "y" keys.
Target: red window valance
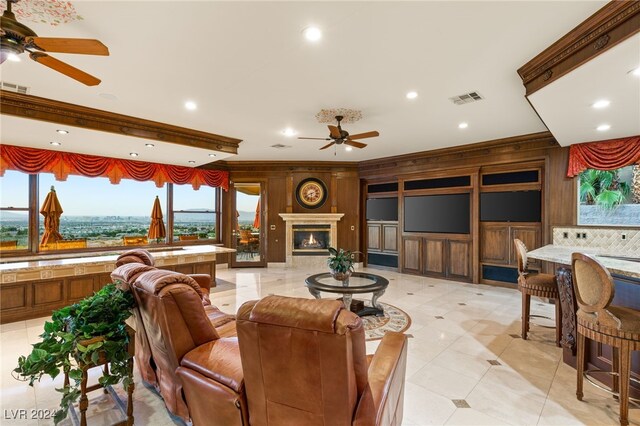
{"x": 63, "y": 164}
{"x": 605, "y": 155}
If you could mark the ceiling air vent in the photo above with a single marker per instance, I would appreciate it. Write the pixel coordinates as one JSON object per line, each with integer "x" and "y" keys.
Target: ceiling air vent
{"x": 14, "y": 87}
{"x": 466, "y": 98}
{"x": 280, "y": 146}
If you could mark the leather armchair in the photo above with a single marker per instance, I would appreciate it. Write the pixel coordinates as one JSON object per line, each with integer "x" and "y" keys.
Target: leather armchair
{"x": 180, "y": 333}
{"x": 304, "y": 362}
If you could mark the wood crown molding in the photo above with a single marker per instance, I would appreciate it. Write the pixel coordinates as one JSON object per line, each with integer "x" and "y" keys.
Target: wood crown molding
{"x": 286, "y": 166}
{"x": 456, "y": 154}
{"x": 609, "y": 26}
{"x": 33, "y": 107}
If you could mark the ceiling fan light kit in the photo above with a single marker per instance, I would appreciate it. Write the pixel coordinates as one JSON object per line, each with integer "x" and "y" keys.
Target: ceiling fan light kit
{"x": 16, "y": 38}
{"x": 338, "y": 136}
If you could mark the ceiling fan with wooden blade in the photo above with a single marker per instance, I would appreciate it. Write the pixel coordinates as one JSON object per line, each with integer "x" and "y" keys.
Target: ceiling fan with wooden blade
{"x": 338, "y": 136}
{"x": 16, "y": 38}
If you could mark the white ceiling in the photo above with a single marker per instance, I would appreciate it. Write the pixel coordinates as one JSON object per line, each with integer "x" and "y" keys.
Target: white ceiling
{"x": 252, "y": 73}
{"x": 566, "y": 104}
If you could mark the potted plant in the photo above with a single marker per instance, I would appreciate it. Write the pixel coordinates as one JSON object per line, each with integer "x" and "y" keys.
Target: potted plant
{"x": 341, "y": 263}
{"x": 88, "y": 332}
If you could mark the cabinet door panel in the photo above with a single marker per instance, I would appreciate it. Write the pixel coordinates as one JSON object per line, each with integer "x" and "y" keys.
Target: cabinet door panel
{"x": 390, "y": 238}
{"x": 412, "y": 255}
{"x": 494, "y": 243}
{"x": 459, "y": 259}
{"x": 373, "y": 237}
{"x": 434, "y": 262}
{"x": 530, "y": 236}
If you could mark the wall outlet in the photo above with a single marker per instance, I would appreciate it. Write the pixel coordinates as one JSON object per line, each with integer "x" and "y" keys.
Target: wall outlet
{"x": 623, "y": 236}
{"x": 578, "y": 235}
{"x": 565, "y": 235}
{"x": 272, "y": 227}
{"x": 584, "y": 235}
{"x": 353, "y": 228}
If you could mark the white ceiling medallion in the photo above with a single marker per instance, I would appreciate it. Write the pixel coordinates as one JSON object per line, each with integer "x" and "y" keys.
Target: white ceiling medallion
{"x": 329, "y": 115}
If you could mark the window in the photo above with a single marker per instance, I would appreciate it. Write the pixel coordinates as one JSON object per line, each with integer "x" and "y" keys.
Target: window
{"x": 14, "y": 211}
{"x": 194, "y": 213}
{"x": 609, "y": 197}
{"x": 99, "y": 214}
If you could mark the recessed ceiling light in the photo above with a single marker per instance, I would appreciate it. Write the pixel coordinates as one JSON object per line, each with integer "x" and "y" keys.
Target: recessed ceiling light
{"x": 62, "y": 132}
{"x": 133, "y": 154}
{"x": 55, "y": 143}
{"x": 13, "y": 57}
{"x": 149, "y": 145}
{"x": 463, "y": 125}
{"x": 191, "y": 106}
{"x": 635, "y": 71}
{"x": 288, "y": 132}
{"x": 192, "y": 162}
{"x": 212, "y": 155}
{"x": 348, "y": 148}
{"x": 312, "y": 33}
{"x": 412, "y": 95}
{"x": 602, "y": 103}
{"x": 603, "y": 127}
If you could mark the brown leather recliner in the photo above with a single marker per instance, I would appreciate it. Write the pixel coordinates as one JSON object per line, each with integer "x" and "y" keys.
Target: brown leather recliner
{"x": 180, "y": 332}
{"x": 304, "y": 363}
{"x": 130, "y": 265}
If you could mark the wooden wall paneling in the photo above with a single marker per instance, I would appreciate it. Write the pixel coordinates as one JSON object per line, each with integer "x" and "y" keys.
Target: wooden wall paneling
{"x": 101, "y": 280}
{"x": 374, "y": 240}
{"x": 79, "y": 287}
{"x": 434, "y": 256}
{"x": 530, "y": 235}
{"x": 277, "y": 203}
{"x": 459, "y": 259}
{"x": 48, "y": 292}
{"x": 494, "y": 243}
{"x": 412, "y": 255}
{"x": 325, "y": 177}
{"x": 14, "y": 297}
{"x": 389, "y": 237}
{"x": 333, "y": 193}
{"x": 474, "y": 261}
{"x": 348, "y": 197}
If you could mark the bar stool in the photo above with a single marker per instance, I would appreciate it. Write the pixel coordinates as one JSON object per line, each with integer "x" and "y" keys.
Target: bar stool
{"x": 539, "y": 285}
{"x": 608, "y": 324}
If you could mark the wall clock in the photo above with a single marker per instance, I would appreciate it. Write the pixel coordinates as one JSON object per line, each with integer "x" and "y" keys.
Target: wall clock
{"x": 311, "y": 193}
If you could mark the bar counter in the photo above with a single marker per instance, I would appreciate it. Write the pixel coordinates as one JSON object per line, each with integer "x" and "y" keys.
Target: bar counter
{"x": 626, "y": 277}
{"x": 33, "y": 286}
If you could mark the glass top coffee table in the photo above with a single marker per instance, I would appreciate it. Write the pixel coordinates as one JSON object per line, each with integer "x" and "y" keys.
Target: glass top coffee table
{"x": 359, "y": 282}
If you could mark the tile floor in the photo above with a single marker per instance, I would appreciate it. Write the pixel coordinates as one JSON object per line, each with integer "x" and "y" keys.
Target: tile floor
{"x": 466, "y": 366}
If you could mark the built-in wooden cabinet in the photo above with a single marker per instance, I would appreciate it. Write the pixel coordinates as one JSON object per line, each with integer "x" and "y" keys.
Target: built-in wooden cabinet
{"x": 438, "y": 257}
{"x": 382, "y": 237}
{"x": 496, "y": 242}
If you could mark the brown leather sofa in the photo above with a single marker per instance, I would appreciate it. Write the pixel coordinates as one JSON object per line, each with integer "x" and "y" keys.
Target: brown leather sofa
{"x": 152, "y": 363}
{"x": 304, "y": 363}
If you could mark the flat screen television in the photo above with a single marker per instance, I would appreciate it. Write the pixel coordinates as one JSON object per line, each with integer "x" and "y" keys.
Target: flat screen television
{"x": 513, "y": 206}
{"x": 382, "y": 208}
{"x": 448, "y": 213}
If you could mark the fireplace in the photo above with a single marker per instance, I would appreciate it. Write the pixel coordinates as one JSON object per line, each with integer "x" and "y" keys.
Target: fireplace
{"x": 309, "y": 235}
{"x": 311, "y": 239}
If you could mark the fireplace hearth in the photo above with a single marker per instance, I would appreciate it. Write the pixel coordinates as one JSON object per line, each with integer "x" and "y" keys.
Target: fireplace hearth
{"x": 309, "y": 235}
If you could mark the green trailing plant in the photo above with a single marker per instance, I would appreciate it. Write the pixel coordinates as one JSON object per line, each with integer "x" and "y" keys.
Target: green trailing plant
{"x": 99, "y": 319}
{"x": 341, "y": 261}
{"x": 603, "y": 188}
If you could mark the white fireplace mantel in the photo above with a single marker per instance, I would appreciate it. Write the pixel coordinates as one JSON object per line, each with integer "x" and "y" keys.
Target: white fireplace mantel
{"x": 309, "y": 219}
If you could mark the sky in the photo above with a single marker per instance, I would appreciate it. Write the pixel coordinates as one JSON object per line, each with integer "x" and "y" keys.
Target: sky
{"x": 81, "y": 196}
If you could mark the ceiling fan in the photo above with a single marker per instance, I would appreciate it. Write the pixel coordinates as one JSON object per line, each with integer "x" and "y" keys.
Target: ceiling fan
{"x": 15, "y": 38}
{"x": 338, "y": 136}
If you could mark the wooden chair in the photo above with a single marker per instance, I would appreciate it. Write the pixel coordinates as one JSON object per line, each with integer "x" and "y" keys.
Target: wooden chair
{"x": 602, "y": 322}
{"x": 535, "y": 284}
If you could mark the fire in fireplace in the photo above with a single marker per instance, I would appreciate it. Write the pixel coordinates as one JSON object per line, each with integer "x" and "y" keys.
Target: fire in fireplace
{"x": 311, "y": 238}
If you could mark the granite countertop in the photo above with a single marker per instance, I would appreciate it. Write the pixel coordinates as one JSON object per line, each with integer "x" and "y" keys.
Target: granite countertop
{"x": 94, "y": 258}
{"x": 562, "y": 254}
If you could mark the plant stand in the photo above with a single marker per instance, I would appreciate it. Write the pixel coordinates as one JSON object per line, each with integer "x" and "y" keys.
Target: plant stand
{"x": 84, "y": 389}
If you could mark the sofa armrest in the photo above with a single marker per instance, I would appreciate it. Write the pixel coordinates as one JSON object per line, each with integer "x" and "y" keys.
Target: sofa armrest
{"x": 382, "y": 400}
{"x": 204, "y": 281}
